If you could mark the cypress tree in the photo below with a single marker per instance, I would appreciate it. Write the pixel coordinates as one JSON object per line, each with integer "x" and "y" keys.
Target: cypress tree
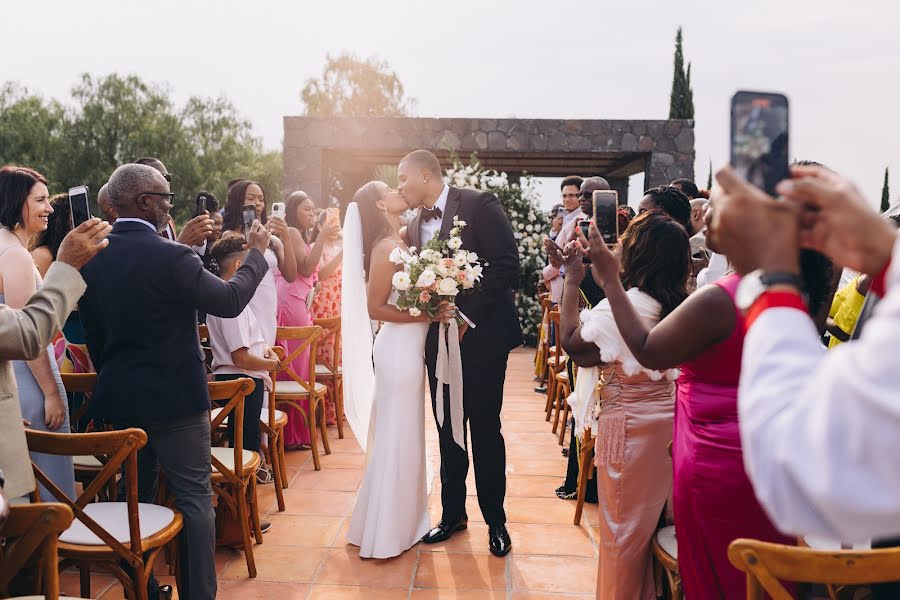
{"x": 681, "y": 99}
{"x": 709, "y": 179}
{"x": 885, "y": 193}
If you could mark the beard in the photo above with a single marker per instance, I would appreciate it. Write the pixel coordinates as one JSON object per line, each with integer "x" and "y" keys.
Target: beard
{"x": 160, "y": 219}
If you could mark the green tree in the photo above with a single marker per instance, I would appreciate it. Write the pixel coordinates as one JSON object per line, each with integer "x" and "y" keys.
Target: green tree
{"x": 681, "y": 99}
{"x": 352, "y": 87}
{"x": 709, "y": 180}
{"x": 885, "y": 193}
{"x": 30, "y": 129}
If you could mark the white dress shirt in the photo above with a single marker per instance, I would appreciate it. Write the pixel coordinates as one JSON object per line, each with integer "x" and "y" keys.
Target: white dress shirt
{"x": 567, "y": 232}
{"x": 433, "y": 227}
{"x": 819, "y": 429}
{"x": 717, "y": 269}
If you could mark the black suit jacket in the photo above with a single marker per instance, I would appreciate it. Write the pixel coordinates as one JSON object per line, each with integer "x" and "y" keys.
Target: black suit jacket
{"x": 491, "y": 307}
{"x": 140, "y": 321}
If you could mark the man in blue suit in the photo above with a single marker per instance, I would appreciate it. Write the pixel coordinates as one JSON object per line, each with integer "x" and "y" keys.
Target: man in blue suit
{"x": 140, "y": 319}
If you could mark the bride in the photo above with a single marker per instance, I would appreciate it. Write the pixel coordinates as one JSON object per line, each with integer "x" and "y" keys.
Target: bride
{"x": 385, "y": 407}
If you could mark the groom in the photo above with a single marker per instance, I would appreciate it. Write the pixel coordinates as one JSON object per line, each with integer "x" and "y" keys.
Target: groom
{"x": 490, "y": 331}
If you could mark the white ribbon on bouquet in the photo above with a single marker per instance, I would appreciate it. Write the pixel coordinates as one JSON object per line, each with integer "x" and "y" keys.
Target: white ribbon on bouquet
{"x": 449, "y": 372}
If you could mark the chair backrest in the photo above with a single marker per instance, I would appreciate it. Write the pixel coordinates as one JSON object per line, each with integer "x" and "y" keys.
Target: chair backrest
{"x": 203, "y": 331}
{"x": 331, "y": 337}
{"x": 766, "y": 565}
{"x": 79, "y": 383}
{"x": 279, "y": 352}
{"x": 120, "y": 447}
{"x": 307, "y": 338}
{"x": 33, "y": 530}
{"x": 232, "y": 394}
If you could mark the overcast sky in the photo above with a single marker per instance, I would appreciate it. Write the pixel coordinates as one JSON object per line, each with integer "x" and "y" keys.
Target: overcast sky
{"x": 836, "y": 60}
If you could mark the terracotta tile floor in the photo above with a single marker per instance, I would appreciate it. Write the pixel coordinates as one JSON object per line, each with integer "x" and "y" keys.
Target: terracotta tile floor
{"x": 305, "y": 555}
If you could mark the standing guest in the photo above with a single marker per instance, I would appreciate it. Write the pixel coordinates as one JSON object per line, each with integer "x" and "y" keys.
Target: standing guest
{"x": 106, "y": 208}
{"x": 327, "y": 300}
{"x": 688, "y": 188}
{"x": 634, "y": 415}
{"x": 570, "y": 191}
{"x": 216, "y": 234}
{"x": 24, "y": 335}
{"x": 714, "y": 502}
{"x": 195, "y": 231}
{"x": 142, "y": 336}
{"x": 556, "y": 220}
{"x": 698, "y": 212}
{"x": 25, "y": 210}
{"x": 295, "y": 298}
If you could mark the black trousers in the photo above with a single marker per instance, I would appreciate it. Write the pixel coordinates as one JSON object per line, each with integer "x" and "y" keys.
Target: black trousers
{"x": 484, "y": 373}
{"x": 884, "y": 591}
{"x": 252, "y": 409}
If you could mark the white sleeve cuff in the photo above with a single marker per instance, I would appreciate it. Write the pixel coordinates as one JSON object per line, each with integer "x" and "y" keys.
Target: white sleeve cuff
{"x": 466, "y": 319}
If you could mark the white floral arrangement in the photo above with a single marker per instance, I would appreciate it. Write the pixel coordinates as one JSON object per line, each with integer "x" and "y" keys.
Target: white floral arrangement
{"x": 438, "y": 273}
{"x": 530, "y": 226}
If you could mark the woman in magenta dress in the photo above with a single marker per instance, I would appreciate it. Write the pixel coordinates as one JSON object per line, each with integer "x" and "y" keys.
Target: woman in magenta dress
{"x": 294, "y": 298}
{"x": 713, "y": 499}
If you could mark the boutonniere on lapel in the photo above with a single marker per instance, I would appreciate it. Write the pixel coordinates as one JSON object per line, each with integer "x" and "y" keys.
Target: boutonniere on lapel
{"x": 439, "y": 272}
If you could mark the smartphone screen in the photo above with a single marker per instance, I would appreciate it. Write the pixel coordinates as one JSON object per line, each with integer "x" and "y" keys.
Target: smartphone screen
{"x": 248, "y": 214}
{"x": 606, "y": 202}
{"x": 78, "y": 203}
{"x": 759, "y": 138}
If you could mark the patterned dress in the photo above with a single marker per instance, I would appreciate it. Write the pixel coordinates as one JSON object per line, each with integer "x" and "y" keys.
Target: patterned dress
{"x": 327, "y": 305}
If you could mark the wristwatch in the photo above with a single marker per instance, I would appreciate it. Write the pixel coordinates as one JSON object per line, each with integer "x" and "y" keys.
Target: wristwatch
{"x": 754, "y": 284}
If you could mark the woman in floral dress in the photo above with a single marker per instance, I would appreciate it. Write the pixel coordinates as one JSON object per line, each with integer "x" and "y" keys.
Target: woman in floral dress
{"x": 327, "y": 302}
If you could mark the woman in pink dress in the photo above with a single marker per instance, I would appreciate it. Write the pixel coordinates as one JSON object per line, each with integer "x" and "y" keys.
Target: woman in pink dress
{"x": 632, "y": 417}
{"x": 327, "y": 303}
{"x": 713, "y": 499}
{"x": 293, "y": 299}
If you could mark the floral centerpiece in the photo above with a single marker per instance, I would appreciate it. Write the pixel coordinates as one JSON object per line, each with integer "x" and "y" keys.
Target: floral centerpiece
{"x": 437, "y": 273}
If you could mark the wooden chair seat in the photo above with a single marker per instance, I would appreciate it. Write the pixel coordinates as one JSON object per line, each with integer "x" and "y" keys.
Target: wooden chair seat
{"x": 665, "y": 560}
{"x": 87, "y": 461}
{"x": 324, "y": 372}
{"x": 292, "y": 388}
{"x": 45, "y": 597}
{"x": 665, "y": 539}
{"x": 113, "y": 517}
{"x": 557, "y": 362}
{"x": 562, "y": 376}
{"x": 226, "y": 457}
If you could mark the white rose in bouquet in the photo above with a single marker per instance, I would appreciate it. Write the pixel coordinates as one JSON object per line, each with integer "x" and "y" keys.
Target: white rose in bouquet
{"x": 426, "y": 279}
{"x": 447, "y": 287}
{"x": 461, "y": 259}
{"x": 454, "y": 243}
{"x": 401, "y": 281}
{"x": 415, "y": 312}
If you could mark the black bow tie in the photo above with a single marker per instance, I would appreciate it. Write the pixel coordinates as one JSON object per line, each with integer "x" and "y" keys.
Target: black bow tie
{"x": 431, "y": 213}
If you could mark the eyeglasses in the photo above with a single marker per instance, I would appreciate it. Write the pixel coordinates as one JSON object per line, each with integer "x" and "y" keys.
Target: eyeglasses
{"x": 572, "y": 196}
{"x": 169, "y": 195}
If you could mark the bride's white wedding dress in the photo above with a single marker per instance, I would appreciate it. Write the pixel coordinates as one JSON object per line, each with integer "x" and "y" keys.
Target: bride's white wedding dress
{"x": 391, "y": 512}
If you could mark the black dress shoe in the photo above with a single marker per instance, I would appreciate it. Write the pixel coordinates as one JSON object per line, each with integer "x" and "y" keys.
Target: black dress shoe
{"x": 445, "y": 530}
{"x": 498, "y": 540}
{"x": 165, "y": 592}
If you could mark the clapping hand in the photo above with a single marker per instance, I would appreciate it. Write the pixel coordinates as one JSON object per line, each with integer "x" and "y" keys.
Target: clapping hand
{"x": 573, "y": 259}
{"x": 553, "y": 253}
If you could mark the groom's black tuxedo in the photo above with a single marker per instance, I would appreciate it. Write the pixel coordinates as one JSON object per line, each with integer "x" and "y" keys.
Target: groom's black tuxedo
{"x": 485, "y": 350}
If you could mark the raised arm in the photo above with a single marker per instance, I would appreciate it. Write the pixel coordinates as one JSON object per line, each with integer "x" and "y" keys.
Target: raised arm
{"x": 582, "y": 353}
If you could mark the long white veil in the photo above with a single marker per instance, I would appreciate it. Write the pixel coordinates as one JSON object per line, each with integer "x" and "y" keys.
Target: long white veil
{"x": 356, "y": 332}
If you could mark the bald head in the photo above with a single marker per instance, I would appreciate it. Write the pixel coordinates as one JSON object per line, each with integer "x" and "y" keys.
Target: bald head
{"x": 698, "y": 213}
{"x": 588, "y": 187}
{"x": 139, "y": 191}
{"x": 105, "y": 204}
{"x": 157, "y": 164}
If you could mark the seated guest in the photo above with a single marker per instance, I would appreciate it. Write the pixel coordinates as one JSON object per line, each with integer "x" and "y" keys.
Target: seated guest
{"x": 24, "y": 335}
{"x": 238, "y": 347}
{"x": 635, "y": 407}
{"x": 714, "y": 502}
{"x": 140, "y": 320}
{"x": 795, "y": 399}
{"x": 25, "y": 210}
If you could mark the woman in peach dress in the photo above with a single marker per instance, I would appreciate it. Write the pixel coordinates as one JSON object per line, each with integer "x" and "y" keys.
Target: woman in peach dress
{"x": 327, "y": 302}
{"x": 633, "y": 412}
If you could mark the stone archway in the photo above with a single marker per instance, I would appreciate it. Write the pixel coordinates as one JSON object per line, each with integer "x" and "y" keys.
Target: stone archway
{"x": 351, "y": 148}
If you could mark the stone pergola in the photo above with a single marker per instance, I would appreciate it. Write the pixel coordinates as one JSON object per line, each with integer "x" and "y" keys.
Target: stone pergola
{"x": 349, "y": 150}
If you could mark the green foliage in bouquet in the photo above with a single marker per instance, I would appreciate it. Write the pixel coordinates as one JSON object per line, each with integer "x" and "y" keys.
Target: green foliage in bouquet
{"x": 530, "y": 224}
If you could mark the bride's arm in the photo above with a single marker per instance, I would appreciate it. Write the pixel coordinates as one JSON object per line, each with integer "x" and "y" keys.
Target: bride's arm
{"x": 378, "y": 290}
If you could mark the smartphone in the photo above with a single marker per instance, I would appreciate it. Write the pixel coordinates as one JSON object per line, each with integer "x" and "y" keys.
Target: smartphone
{"x": 248, "y": 215}
{"x": 78, "y": 203}
{"x": 606, "y": 203}
{"x": 333, "y": 215}
{"x": 759, "y": 138}
{"x": 585, "y": 226}
{"x": 205, "y": 201}
{"x": 562, "y": 212}
{"x": 278, "y": 210}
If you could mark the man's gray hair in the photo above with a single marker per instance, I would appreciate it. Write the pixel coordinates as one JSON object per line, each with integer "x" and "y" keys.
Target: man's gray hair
{"x": 128, "y": 182}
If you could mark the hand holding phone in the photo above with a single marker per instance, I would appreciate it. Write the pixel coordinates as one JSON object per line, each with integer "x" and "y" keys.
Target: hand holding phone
{"x": 248, "y": 215}
{"x": 79, "y": 205}
{"x": 606, "y": 204}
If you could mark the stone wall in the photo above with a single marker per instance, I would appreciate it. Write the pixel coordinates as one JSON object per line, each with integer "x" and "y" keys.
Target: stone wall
{"x": 663, "y": 150}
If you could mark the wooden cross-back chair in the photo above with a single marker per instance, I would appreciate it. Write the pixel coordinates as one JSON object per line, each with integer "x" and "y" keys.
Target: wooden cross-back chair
{"x": 108, "y": 533}
{"x": 331, "y": 371}
{"x": 88, "y": 466}
{"x": 543, "y": 345}
{"x": 234, "y": 469}
{"x": 296, "y": 389}
{"x": 272, "y": 424}
{"x": 31, "y": 534}
{"x": 203, "y": 334}
{"x": 766, "y": 565}
{"x": 556, "y": 363}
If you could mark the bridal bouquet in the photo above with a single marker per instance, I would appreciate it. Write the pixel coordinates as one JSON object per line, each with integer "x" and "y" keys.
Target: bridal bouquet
{"x": 439, "y": 272}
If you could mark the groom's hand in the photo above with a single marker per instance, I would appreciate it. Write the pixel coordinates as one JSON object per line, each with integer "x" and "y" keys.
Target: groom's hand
{"x": 463, "y": 328}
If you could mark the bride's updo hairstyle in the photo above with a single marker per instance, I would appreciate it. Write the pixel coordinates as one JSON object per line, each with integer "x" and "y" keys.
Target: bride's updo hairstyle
{"x": 375, "y": 226}
{"x": 656, "y": 259}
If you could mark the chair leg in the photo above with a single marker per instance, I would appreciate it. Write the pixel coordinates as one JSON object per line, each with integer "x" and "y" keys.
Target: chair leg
{"x": 565, "y": 418}
{"x": 275, "y": 464}
{"x": 253, "y": 502}
{"x": 320, "y": 413}
{"x": 557, "y": 405}
{"x": 584, "y": 474}
{"x": 282, "y": 462}
{"x": 551, "y": 399}
{"x": 338, "y": 388}
{"x": 84, "y": 580}
{"x": 313, "y": 442}
{"x": 244, "y": 520}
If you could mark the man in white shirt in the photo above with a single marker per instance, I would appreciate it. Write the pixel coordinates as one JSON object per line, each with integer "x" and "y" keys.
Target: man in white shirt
{"x": 819, "y": 430}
